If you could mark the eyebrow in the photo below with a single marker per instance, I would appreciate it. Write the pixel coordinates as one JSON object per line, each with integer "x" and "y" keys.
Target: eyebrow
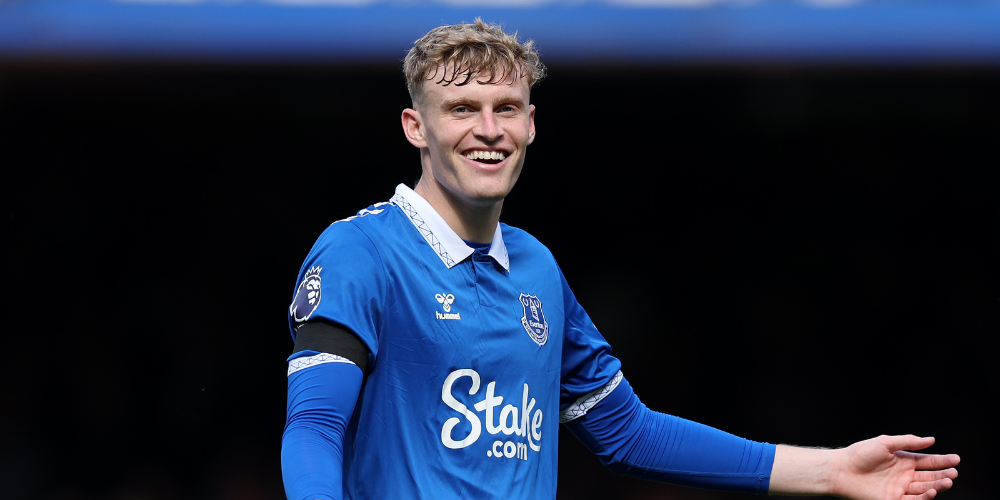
{"x": 455, "y": 102}
{"x": 471, "y": 102}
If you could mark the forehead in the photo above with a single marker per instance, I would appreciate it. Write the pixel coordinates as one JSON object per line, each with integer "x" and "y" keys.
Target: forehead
{"x": 439, "y": 89}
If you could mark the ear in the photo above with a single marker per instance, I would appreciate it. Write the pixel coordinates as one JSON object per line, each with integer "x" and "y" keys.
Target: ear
{"x": 531, "y": 123}
{"x": 413, "y": 128}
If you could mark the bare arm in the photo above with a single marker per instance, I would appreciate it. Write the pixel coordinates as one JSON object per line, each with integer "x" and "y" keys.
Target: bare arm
{"x": 874, "y": 469}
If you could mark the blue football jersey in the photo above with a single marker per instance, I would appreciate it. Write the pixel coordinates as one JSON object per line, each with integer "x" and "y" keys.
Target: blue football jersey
{"x": 475, "y": 354}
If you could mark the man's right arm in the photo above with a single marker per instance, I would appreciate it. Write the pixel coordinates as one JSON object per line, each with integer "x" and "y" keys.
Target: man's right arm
{"x": 323, "y": 389}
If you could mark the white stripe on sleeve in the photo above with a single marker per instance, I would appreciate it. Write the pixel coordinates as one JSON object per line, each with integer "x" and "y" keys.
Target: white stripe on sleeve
{"x": 580, "y": 407}
{"x": 318, "y": 359}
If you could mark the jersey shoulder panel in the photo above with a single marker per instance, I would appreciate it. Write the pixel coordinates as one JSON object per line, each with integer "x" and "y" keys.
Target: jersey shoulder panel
{"x": 343, "y": 277}
{"x": 522, "y": 246}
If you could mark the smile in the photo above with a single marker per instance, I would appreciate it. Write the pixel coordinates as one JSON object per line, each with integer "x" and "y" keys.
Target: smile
{"x": 488, "y": 157}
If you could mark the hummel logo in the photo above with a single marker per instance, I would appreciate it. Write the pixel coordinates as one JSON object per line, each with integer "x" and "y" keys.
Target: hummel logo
{"x": 446, "y": 299}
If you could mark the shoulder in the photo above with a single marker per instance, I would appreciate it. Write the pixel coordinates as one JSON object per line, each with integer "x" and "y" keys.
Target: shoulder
{"x": 523, "y": 244}
{"x": 531, "y": 262}
{"x": 376, "y": 222}
{"x": 357, "y": 242}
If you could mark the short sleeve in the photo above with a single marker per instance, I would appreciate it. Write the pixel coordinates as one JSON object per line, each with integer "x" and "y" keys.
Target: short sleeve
{"x": 587, "y": 363}
{"x": 342, "y": 281}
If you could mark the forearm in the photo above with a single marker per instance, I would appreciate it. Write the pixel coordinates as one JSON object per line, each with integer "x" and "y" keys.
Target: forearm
{"x": 321, "y": 400}
{"x": 633, "y": 440}
{"x": 311, "y": 466}
{"x": 874, "y": 469}
{"x": 802, "y": 471}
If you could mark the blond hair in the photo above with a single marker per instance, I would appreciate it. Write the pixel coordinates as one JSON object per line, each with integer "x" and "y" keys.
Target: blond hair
{"x": 468, "y": 52}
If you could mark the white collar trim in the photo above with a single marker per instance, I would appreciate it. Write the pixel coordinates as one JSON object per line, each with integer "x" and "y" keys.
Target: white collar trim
{"x": 439, "y": 235}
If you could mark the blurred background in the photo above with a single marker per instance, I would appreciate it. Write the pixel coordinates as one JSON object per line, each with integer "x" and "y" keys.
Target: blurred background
{"x": 783, "y": 216}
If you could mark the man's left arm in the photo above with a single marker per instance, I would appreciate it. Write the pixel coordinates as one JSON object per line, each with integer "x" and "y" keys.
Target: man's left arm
{"x": 631, "y": 439}
{"x": 880, "y": 468}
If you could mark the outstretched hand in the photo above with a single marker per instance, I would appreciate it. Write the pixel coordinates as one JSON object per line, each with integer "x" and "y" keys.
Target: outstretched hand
{"x": 881, "y": 469}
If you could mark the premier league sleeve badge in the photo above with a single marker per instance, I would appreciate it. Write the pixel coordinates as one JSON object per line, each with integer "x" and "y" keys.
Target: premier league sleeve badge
{"x": 534, "y": 319}
{"x": 307, "y": 296}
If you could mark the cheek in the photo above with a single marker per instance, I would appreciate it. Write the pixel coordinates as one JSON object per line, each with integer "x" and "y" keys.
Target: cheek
{"x": 449, "y": 137}
{"x": 524, "y": 132}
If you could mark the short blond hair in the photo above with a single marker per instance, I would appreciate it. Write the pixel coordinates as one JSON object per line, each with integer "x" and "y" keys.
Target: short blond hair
{"x": 463, "y": 52}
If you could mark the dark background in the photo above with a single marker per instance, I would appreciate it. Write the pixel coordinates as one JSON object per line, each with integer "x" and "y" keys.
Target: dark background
{"x": 796, "y": 254}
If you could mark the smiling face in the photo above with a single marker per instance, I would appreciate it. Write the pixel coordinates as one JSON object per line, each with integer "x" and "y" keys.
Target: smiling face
{"x": 472, "y": 140}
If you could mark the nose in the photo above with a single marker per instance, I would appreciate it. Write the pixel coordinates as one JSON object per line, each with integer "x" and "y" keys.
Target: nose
{"x": 488, "y": 129}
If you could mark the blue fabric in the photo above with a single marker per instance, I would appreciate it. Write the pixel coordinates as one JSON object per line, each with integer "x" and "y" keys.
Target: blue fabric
{"x": 472, "y": 365}
{"x": 631, "y": 439}
{"x": 470, "y": 362}
{"x": 346, "y": 290}
{"x": 321, "y": 400}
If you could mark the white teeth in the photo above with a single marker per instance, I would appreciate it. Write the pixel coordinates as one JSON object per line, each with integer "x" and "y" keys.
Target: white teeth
{"x": 485, "y": 155}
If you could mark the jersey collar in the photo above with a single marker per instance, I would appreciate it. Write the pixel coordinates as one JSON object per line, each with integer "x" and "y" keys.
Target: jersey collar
{"x": 439, "y": 235}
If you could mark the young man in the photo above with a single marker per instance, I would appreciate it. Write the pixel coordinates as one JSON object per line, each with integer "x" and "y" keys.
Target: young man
{"x": 437, "y": 350}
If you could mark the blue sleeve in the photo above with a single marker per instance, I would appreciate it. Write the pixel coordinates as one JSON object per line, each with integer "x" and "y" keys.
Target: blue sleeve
{"x": 321, "y": 400}
{"x": 342, "y": 280}
{"x": 631, "y": 439}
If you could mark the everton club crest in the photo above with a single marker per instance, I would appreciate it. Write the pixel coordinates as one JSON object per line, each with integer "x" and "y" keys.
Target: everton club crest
{"x": 534, "y": 320}
{"x": 307, "y": 296}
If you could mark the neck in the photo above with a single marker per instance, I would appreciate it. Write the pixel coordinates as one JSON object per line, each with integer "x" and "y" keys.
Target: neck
{"x": 471, "y": 221}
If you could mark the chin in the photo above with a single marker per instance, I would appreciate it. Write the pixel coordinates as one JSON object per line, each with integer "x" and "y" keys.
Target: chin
{"x": 487, "y": 198}
{"x": 487, "y": 195}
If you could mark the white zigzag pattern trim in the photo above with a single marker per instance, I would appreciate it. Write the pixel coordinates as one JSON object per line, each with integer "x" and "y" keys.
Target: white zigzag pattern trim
{"x": 584, "y": 404}
{"x": 421, "y": 226}
{"x": 318, "y": 359}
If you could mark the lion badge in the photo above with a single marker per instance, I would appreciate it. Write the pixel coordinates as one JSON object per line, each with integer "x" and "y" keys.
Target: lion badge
{"x": 307, "y": 296}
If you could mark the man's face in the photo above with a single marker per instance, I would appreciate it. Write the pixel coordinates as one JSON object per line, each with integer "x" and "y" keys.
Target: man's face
{"x": 472, "y": 138}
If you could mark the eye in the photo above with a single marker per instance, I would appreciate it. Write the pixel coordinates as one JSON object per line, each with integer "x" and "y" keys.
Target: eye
{"x": 507, "y": 109}
{"x": 461, "y": 109}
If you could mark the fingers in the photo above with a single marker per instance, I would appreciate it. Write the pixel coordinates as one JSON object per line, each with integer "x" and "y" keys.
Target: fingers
{"x": 927, "y": 495}
{"x": 933, "y": 462}
{"x": 917, "y": 488}
{"x": 934, "y": 475}
{"x": 907, "y": 442}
